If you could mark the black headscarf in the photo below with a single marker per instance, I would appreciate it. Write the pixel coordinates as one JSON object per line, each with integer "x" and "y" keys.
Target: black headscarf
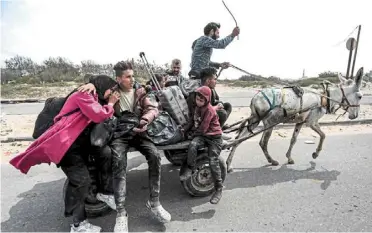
{"x": 102, "y": 84}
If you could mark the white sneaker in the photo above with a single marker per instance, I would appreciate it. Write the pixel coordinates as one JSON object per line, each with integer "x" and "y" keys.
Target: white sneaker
{"x": 85, "y": 226}
{"x": 108, "y": 199}
{"x": 121, "y": 224}
{"x": 225, "y": 137}
{"x": 160, "y": 213}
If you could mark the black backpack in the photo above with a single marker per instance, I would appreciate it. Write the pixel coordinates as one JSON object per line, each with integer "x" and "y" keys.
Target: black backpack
{"x": 45, "y": 119}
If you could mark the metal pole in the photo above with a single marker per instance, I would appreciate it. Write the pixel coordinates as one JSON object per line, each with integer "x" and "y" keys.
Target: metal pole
{"x": 348, "y": 64}
{"x": 356, "y": 50}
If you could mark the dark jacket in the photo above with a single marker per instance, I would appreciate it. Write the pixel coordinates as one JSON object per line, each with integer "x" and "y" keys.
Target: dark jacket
{"x": 205, "y": 119}
{"x": 215, "y": 99}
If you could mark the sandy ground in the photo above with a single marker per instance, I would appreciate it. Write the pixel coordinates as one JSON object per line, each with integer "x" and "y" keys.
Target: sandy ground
{"x": 22, "y": 126}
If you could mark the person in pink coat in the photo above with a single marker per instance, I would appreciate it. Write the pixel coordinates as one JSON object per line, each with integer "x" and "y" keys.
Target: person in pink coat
{"x": 67, "y": 144}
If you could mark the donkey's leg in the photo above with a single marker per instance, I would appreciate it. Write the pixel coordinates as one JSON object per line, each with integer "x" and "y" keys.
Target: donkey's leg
{"x": 316, "y": 127}
{"x": 263, "y": 144}
{"x": 296, "y": 131}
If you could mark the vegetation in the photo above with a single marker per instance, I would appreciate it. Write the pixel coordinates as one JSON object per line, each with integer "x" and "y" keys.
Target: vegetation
{"x": 23, "y": 78}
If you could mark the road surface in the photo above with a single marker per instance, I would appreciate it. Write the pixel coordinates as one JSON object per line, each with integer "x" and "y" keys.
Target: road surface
{"x": 331, "y": 193}
{"x": 237, "y": 99}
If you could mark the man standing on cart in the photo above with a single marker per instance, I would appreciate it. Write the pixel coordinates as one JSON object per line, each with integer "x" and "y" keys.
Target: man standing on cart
{"x": 202, "y": 49}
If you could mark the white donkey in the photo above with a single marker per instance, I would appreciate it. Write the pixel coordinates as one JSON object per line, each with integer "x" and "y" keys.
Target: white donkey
{"x": 273, "y": 105}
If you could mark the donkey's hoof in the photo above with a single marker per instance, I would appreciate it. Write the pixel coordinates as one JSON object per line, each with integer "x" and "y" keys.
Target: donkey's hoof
{"x": 274, "y": 163}
{"x": 290, "y": 161}
{"x": 315, "y": 155}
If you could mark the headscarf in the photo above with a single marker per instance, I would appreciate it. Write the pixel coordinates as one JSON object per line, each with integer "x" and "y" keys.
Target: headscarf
{"x": 102, "y": 84}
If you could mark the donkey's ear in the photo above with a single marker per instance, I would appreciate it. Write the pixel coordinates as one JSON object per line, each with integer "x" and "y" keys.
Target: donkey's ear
{"x": 359, "y": 77}
{"x": 342, "y": 79}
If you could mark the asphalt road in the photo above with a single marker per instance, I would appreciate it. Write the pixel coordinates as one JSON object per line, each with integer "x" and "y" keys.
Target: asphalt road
{"x": 331, "y": 193}
{"x": 237, "y": 99}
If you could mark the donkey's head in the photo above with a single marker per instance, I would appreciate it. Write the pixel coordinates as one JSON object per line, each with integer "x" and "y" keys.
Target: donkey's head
{"x": 351, "y": 95}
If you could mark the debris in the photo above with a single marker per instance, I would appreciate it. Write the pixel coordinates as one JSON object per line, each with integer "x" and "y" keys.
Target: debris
{"x": 309, "y": 142}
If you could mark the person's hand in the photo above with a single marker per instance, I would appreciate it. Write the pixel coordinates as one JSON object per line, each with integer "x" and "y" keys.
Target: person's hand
{"x": 141, "y": 127}
{"x": 114, "y": 97}
{"x": 225, "y": 65}
{"x": 235, "y": 32}
{"x": 220, "y": 106}
{"x": 88, "y": 88}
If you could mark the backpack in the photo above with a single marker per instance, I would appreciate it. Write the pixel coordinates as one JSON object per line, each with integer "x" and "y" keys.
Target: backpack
{"x": 45, "y": 119}
{"x": 163, "y": 130}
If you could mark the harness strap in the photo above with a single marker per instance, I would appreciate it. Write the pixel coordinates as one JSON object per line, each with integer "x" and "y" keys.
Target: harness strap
{"x": 272, "y": 105}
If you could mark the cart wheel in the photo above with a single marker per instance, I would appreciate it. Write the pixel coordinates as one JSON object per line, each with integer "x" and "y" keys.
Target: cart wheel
{"x": 93, "y": 207}
{"x": 175, "y": 157}
{"x": 201, "y": 183}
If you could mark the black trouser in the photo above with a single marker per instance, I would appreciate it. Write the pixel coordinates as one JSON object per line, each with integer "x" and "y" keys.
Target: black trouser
{"x": 214, "y": 144}
{"x": 224, "y": 113}
{"x": 104, "y": 165}
{"x": 74, "y": 165}
{"x": 120, "y": 149}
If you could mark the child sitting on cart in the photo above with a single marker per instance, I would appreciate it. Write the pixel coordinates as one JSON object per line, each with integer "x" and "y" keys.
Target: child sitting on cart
{"x": 207, "y": 131}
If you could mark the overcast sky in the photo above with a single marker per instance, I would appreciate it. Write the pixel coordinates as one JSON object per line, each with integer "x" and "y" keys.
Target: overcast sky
{"x": 278, "y": 37}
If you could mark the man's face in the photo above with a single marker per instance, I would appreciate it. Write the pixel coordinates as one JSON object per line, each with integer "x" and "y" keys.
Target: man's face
{"x": 176, "y": 69}
{"x": 216, "y": 34}
{"x": 211, "y": 82}
{"x": 200, "y": 101}
{"x": 126, "y": 80}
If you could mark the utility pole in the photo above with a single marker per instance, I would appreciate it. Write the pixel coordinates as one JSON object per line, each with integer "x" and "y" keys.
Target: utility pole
{"x": 356, "y": 50}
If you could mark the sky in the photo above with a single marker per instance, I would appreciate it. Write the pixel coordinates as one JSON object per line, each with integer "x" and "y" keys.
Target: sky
{"x": 278, "y": 37}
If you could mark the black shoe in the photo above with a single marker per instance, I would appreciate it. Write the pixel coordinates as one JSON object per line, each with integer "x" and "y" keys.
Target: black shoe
{"x": 186, "y": 174}
{"x": 216, "y": 197}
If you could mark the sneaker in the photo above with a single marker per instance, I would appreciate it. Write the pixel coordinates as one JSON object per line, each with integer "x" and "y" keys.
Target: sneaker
{"x": 225, "y": 137}
{"x": 216, "y": 197}
{"x": 108, "y": 199}
{"x": 186, "y": 174}
{"x": 85, "y": 226}
{"x": 160, "y": 213}
{"x": 121, "y": 224}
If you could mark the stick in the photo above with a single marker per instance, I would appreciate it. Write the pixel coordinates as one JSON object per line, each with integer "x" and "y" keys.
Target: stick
{"x": 236, "y": 23}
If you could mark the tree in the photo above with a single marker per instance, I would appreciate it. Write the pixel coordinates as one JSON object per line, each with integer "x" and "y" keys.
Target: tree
{"x": 21, "y": 66}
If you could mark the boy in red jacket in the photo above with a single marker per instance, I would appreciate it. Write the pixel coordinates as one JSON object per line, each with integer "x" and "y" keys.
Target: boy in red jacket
{"x": 206, "y": 131}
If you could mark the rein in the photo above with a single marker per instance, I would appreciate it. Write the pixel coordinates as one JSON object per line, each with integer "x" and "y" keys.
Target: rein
{"x": 345, "y": 104}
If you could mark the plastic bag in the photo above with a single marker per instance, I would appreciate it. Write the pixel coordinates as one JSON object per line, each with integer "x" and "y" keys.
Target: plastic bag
{"x": 163, "y": 130}
{"x": 102, "y": 133}
{"x": 126, "y": 122}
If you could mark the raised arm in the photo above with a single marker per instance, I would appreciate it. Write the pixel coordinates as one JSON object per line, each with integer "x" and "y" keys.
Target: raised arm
{"x": 217, "y": 44}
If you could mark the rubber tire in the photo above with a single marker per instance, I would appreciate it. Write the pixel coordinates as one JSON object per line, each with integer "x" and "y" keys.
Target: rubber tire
{"x": 192, "y": 188}
{"x": 175, "y": 158}
{"x": 93, "y": 209}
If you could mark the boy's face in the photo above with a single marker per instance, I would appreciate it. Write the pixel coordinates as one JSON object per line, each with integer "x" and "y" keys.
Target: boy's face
{"x": 211, "y": 82}
{"x": 200, "y": 101}
{"x": 126, "y": 81}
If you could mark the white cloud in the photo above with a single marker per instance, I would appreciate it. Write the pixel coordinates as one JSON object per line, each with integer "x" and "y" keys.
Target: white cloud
{"x": 278, "y": 38}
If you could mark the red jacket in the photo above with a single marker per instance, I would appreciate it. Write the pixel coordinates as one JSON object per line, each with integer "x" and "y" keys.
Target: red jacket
{"x": 206, "y": 118}
{"x": 54, "y": 143}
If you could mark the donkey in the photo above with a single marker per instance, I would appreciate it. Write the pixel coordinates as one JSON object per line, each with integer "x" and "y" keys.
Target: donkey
{"x": 273, "y": 105}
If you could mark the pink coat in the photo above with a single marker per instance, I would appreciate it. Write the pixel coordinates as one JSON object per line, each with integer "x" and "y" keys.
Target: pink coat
{"x": 54, "y": 143}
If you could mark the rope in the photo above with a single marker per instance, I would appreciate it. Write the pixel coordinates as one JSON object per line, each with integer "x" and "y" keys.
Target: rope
{"x": 338, "y": 44}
